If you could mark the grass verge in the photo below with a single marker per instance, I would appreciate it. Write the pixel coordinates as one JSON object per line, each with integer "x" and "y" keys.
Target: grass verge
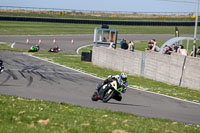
{"x": 44, "y": 28}
{"x": 22, "y": 115}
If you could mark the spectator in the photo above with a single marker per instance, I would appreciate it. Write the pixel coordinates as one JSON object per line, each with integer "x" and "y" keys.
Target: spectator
{"x": 198, "y": 52}
{"x": 104, "y": 39}
{"x": 111, "y": 45}
{"x": 174, "y": 47}
{"x": 182, "y": 51}
{"x": 164, "y": 49}
{"x": 155, "y": 46}
{"x": 122, "y": 41}
{"x": 131, "y": 46}
{"x": 153, "y": 41}
{"x": 168, "y": 50}
{"x": 150, "y": 45}
{"x": 124, "y": 45}
{"x": 191, "y": 54}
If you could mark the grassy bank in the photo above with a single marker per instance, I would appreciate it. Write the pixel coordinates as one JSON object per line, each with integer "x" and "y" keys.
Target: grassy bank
{"x": 44, "y": 28}
{"x": 22, "y": 115}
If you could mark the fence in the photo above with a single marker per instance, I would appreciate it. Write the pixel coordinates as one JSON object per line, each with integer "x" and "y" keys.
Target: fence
{"x": 174, "y": 69}
{"x": 109, "y": 22}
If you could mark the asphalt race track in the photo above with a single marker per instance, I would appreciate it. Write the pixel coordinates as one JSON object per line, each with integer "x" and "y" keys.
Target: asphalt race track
{"x": 64, "y": 41}
{"x": 30, "y": 77}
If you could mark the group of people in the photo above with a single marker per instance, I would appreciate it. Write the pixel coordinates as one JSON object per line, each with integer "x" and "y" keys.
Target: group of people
{"x": 180, "y": 50}
{"x": 152, "y": 45}
{"x": 175, "y": 49}
{"x": 125, "y": 46}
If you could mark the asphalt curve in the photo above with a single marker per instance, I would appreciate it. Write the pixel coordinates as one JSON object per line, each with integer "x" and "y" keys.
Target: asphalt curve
{"x": 30, "y": 77}
{"x": 64, "y": 41}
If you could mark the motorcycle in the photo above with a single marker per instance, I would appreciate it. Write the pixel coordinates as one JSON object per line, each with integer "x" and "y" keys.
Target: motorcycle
{"x": 109, "y": 91}
{"x": 34, "y": 48}
{"x": 55, "y": 49}
{"x": 1, "y": 66}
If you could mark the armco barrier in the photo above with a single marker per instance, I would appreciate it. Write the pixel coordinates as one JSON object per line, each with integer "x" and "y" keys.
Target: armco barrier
{"x": 174, "y": 69}
{"x": 88, "y": 21}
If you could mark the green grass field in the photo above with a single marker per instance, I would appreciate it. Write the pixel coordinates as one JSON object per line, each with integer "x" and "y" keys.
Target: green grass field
{"x": 20, "y": 115}
{"x": 41, "y": 28}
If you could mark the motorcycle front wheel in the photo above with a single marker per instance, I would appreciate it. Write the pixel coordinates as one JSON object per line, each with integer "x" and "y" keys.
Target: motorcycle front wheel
{"x": 108, "y": 96}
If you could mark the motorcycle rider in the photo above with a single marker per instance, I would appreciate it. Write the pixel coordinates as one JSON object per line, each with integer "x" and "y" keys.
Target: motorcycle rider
{"x": 121, "y": 83}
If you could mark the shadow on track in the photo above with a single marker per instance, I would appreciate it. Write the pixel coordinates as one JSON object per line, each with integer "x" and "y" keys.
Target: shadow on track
{"x": 126, "y": 104}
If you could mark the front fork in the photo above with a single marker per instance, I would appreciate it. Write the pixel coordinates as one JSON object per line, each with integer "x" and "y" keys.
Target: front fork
{"x": 103, "y": 90}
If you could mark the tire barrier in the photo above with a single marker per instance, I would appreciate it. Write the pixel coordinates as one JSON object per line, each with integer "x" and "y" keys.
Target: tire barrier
{"x": 108, "y": 22}
{"x": 86, "y": 56}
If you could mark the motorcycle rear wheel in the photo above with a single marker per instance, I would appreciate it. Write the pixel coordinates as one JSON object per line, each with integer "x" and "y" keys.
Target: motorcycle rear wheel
{"x": 94, "y": 97}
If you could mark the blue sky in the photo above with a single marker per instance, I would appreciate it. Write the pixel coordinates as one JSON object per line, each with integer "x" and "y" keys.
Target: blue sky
{"x": 108, "y": 5}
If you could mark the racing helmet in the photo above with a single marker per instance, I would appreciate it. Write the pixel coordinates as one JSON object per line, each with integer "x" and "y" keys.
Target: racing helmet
{"x": 123, "y": 78}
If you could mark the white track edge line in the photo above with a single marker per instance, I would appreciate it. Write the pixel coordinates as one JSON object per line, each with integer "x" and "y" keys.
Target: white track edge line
{"x": 77, "y": 51}
{"x": 12, "y": 45}
{"x": 128, "y": 86}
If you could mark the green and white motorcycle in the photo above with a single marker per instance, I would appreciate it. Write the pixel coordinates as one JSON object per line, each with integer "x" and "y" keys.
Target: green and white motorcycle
{"x": 108, "y": 91}
{"x": 34, "y": 48}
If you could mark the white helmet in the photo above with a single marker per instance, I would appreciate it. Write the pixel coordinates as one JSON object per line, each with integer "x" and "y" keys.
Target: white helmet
{"x": 122, "y": 78}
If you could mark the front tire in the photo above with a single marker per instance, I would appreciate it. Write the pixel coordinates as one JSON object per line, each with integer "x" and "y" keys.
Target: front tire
{"x": 107, "y": 96}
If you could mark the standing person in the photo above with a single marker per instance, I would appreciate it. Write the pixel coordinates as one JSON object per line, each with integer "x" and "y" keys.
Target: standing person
{"x": 174, "y": 48}
{"x": 182, "y": 51}
{"x": 198, "y": 52}
{"x": 122, "y": 41}
{"x": 131, "y": 46}
{"x": 124, "y": 45}
{"x": 191, "y": 54}
{"x": 150, "y": 45}
{"x": 155, "y": 46}
{"x": 168, "y": 50}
